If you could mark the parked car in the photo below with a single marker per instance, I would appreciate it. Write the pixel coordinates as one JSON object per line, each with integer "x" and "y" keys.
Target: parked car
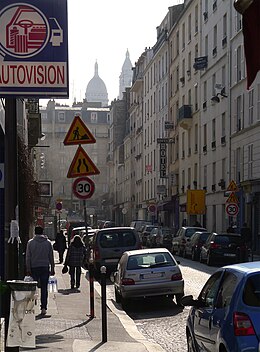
{"x": 147, "y": 273}
{"x": 180, "y": 238}
{"x": 109, "y": 244}
{"x": 163, "y": 236}
{"x": 71, "y": 225}
{"x": 223, "y": 248}
{"x": 137, "y": 224}
{"x": 193, "y": 245}
{"x": 226, "y": 315}
{"x": 80, "y": 230}
{"x": 146, "y": 230}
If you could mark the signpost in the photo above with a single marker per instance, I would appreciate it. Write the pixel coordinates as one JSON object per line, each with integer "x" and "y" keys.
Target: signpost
{"x": 34, "y": 48}
{"x": 232, "y": 209}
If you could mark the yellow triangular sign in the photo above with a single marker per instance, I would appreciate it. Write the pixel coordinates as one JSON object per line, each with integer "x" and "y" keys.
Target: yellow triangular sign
{"x": 82, "y": 165}
{"x": 78, "y": 133}
{"x": 232, "y": 186}
{"x": 232, "y": 198}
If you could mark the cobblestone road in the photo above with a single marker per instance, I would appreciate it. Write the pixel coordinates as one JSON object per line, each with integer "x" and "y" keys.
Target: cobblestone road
{"x": 163, "y": 322}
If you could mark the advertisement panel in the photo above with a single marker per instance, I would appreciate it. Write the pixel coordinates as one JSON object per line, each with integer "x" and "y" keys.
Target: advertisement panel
{"x": 34, "y": 48}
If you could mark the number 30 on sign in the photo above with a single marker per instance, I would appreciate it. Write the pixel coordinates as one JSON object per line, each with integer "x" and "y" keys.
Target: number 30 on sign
{"x": 83, "y": 187}
{"x": 232, "y": 209}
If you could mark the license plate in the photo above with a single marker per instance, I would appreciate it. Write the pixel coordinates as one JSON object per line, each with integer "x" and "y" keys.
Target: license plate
{"x": 111, "y": 260}
{"x": 229, "y": 255}
{"x": 152, "y": 275}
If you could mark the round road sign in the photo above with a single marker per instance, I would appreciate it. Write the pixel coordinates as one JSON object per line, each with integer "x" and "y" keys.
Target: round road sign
{"x": 152, "y": 208}
{"x": 83, "y": 187}
{"x": 232, "y": 209}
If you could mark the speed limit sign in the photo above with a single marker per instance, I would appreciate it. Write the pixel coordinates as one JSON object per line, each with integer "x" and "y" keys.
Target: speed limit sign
{"x": 83, "y": 187}
{"x": 232, "y": 209}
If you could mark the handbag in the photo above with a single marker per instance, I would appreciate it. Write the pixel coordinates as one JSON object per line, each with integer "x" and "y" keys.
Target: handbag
{"x": 65, "y": 269}
{"x": 55, "y": 246}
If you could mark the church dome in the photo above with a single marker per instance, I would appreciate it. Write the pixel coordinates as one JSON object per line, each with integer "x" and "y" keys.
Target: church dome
{"x": 96, "y": 89}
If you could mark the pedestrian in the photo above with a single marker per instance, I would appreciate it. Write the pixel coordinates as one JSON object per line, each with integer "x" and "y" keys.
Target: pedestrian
{"x": 60, "y": 245}
{"x": 40, "y": 263}
{"x": 197, "y": 223}
{"x": 246, "y": 235}
{"x": 74, "y": 259}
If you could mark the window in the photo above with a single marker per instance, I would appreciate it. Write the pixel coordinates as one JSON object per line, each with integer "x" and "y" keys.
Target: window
{"x": 205, "y": 134}
{"x": 239, "y": 113}
{"x": 239, "y": 63}
{"x": 223, "y": 124}
{"x": 226, "y": 290}
{"x": 196, "y": 137}
{"x": 189, "y": 28}
{"x": 183, "y": 36}
{"x": 214, "y": 173}
{"x": 215, "y": 38}
{"x": 213, "y": 84}
{"x": 250, "y": 161}
{"x": 108, "y": 118}
{"x": 93, "y": 117}
{"x": 223, "y": 168}
{"x": 213, "y": 130}
{"x": 196, "y": 19}
{"x": 251, "y": 107}
{"x": 61, "y": 116}
{"x": 238, "y": 22}
{"x": 238, "y": 165}
{"x": 225, "y": 26}
{"x": 205, "y": 176}
{"x": 251, "y": 294}
{"x": 206, "y": 45}
{"x": 209, "y": 291}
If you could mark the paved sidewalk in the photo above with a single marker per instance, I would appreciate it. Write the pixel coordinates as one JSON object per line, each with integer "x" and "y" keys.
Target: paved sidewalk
{"x": 68, "y": 326}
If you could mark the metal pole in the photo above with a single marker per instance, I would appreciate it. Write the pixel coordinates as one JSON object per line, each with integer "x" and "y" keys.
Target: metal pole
{"x": 11, "y": 199}
{"x": 103, "y": 270}
{"x": 91, "y": 288}
{"x": 86, "y": 222}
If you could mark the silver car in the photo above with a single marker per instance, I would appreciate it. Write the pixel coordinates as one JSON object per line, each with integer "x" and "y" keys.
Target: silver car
{"x": 146, "y": 273}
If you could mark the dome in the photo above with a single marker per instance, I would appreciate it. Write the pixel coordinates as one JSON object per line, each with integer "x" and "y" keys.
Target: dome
{"x": 96, "y": 89}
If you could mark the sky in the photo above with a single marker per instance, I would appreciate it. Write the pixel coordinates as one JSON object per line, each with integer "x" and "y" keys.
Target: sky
{"x": 102, "y": 31}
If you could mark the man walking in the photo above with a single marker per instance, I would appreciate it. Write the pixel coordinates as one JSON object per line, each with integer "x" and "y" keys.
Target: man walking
{"x": 40, "y": 263}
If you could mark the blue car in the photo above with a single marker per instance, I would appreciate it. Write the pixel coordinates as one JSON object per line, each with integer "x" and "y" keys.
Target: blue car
{"x": 226, "y": 315}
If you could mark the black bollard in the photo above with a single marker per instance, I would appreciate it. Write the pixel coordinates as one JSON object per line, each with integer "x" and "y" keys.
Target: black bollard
{"x": 91, "y": 288}
{"x": 103, "y": 270}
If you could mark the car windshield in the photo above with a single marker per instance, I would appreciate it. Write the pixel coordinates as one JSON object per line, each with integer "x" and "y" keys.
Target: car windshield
{"x": 149, "y": 260}
{"x": 224, "y": 239}
{"x": 204, "y": 236}
{"x": 114, "y": 239}
{"x": 251, "y": 294}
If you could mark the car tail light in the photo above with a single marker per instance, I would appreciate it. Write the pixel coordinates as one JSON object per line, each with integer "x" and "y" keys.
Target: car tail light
{"x": 96, "y": 253}
{"x": 127, "y": 282}
{"x": 242, "y": 324}
{"x": 176, "y": 277}
{"x": 214, "y": 245}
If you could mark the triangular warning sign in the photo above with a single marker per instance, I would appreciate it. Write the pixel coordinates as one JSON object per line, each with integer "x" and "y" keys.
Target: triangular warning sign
{"x": 82, "y": 165}
{"x": 232, "y": 186}
{"x": 78, "y": 133}
{"x": 232, "y": 198}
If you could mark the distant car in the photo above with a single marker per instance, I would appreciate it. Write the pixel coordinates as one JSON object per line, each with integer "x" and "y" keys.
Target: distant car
{"x": 146, "y": 273}
{"x": 226, "y": 315}
{"x": 79, "y": 231}
{"x": 163, "y": 236}
{"x": 71, "y": 225}
{"x": 193, "y": 245}
{"x": 146, "y": 230}
{"x": 108, "y": 224}
{"x": 223, "y": 248}
{"x": 180, "y": 238}
{"x": 109, "y": 244}
{"x": 137, "y": 224}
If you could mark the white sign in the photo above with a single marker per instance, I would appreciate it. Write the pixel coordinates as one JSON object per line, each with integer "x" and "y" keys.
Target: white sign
{"x": 232, "y": 209}
{"x": 2, "y": 176}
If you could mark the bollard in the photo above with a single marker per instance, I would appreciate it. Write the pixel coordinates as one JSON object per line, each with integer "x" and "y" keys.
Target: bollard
{"x": 91, "y": 288}
{"x": 103, "y": 270}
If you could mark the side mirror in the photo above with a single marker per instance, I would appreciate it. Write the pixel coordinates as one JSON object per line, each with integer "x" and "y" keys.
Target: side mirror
{"x": 189, "y": 301}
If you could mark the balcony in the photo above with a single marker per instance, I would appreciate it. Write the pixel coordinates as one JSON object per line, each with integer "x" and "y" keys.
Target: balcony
{"x": 185, "y": 116}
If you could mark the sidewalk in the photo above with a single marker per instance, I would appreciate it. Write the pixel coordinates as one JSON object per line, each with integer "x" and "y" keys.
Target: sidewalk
{"x": 68, "y": 327}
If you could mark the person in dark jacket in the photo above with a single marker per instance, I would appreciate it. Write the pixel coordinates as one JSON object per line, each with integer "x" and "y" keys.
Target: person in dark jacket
{"x": 74, "y": 259}
{"x": 61, "y": 245}
{"x": 40, "y": 263}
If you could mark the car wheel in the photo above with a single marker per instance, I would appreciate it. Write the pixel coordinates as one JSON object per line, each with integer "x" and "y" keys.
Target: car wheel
{"x": 190, "y": 344}
{"x": 118, "y": 296}
{"x": 178, "y": 298}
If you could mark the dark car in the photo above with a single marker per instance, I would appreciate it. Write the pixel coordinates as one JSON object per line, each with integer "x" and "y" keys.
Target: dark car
{"x": 145, "y": 232}
{"x": 193, "y": 245}
{"x": 223, "y": 248}
{"x": 163, "y": 236}
{"x": 109, "y": 244}
{"x": 180, "y": 238}
{"x": 226, "y": 314}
